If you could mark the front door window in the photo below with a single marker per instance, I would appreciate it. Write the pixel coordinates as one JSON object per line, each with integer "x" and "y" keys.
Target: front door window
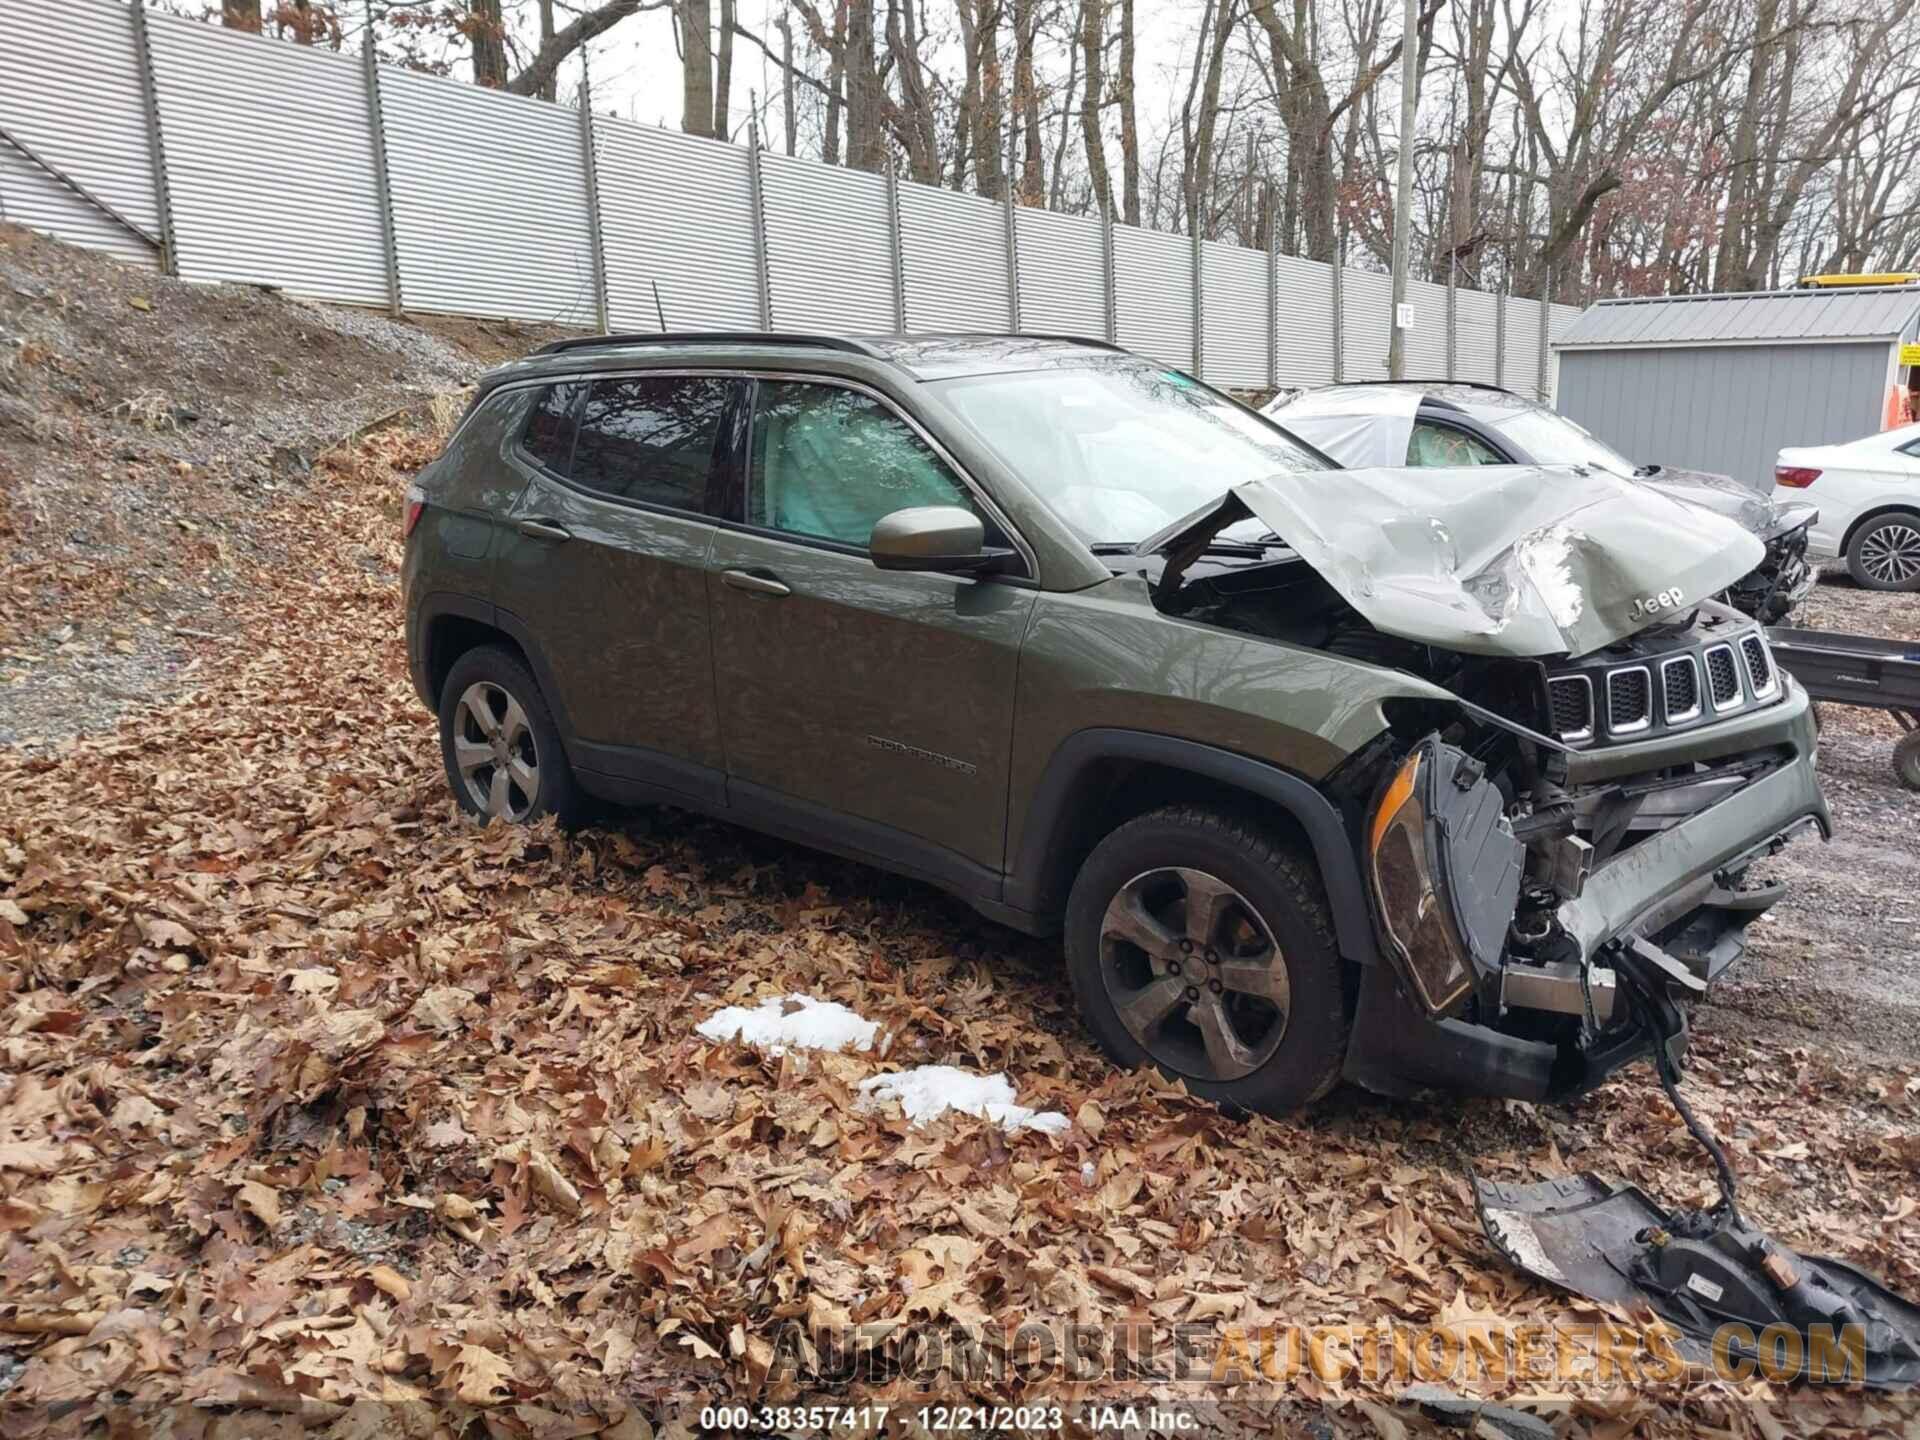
{"x": 828, "y": 463}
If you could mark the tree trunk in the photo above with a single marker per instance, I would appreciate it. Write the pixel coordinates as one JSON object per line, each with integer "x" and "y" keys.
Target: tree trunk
{"x": 789, "y": 115}
{"x": 696, "y": 66}
{"x": 549, "y": 90}
{"x": 723, "y": 74}
{"x": 914, "y": 123}
{"x": 989, "y": 143}
{"x": 866, "y": 134}
{"x": 1129, "y": 121}
{"x": 489, "y": 38}
{"x": 1026, "y": 104}
{"x": 836, "y": 87}
{"x": 1092, "y": 43}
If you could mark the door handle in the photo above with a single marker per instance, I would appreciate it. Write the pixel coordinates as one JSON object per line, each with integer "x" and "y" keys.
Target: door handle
{"x": 753, "y": 584}
{"x": 545, "y": 530}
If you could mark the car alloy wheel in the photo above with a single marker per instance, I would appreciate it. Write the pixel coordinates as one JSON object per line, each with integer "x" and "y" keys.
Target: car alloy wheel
{"x": 1890, "y": 553}
{"x": 1194, "y": 973}
{"x": 494, "y": 749}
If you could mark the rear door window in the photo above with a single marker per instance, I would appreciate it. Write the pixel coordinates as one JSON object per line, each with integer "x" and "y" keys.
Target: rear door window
{"x": 652, "y": 438}
{"x": 548, "y": 438}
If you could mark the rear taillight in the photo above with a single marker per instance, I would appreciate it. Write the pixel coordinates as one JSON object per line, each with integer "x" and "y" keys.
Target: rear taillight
{"x": 1794, "y": 477}
{"x": 416, "y": 503}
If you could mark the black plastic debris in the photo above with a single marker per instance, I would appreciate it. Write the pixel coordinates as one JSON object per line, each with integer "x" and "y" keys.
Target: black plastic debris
{"x": 1735, "y": 1296}
{"x": 1727, "y": 1283}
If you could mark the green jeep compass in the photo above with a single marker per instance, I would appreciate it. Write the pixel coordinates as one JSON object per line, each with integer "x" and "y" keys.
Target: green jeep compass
{"x": 1417, "y": 777}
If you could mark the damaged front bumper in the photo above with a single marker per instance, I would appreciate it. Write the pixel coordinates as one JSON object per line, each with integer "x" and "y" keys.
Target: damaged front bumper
{"x": 1674, "y": 906}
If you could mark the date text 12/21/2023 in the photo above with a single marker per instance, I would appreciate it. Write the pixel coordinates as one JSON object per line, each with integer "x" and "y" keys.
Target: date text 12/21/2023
{"x": 964, "y": 1419}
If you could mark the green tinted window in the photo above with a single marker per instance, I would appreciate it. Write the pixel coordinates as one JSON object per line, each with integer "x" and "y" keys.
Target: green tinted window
{"x": 828, "y": 463}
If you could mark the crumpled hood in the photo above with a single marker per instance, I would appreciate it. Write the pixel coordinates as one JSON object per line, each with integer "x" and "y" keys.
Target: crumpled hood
{"x": 1754, "y": 509}
{"x": 1493, "y": 560}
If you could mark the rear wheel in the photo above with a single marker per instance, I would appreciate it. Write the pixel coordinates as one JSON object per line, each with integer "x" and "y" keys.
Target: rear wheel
{"x": 499, "y": 743}
{"x": 1884, "y": 553}
{"x": 1200, "y": 944}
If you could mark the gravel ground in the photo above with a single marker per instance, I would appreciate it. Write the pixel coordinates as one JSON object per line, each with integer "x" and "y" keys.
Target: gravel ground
{"x": 1837, "y": 963}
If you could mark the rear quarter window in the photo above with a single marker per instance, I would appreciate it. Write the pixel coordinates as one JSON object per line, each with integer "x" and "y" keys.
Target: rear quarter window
{"x": 551, "y": 426}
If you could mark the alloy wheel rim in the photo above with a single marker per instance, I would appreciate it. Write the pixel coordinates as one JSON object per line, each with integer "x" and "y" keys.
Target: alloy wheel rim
{"x": 1891, "y": 554}
{"x": 1194, "y": 973}
{"x": 495, "y": 753}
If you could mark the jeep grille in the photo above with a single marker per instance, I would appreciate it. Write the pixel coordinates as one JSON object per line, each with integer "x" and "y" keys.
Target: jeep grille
{"x": 1759, "y": 665}
{"x": 1723, "y": 681}
{"x": 1629, "y": 699}
{"x": 1681, "y": 682}
{"x": 1572, "y": 698}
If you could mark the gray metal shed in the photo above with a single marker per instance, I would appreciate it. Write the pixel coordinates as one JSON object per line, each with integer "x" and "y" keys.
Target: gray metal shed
{"x": 1722, "y": 382}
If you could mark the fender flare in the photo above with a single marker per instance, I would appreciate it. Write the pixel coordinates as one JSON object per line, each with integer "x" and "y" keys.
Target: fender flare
{"x": 442, "y": 603}
{"x": 1325, "y": 829}
{"x": 437, "y": 605}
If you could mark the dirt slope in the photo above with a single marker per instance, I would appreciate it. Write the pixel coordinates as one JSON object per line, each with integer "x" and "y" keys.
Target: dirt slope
{"x": 148, "y": 429}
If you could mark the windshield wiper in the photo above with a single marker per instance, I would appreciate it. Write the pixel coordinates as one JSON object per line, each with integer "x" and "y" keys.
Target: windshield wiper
{"x": 1250, "y": 548}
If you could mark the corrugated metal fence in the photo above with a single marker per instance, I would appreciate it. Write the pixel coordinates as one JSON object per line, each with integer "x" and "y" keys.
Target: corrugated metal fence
{"x": 233, "y": 157}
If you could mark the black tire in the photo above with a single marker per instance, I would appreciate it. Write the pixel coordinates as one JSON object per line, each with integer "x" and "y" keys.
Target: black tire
{"x": 1906, "y": 759}
{"x": 1273, "y": 885}
{"x": 535, "y": 745}
{"x": 1884, "y": 553}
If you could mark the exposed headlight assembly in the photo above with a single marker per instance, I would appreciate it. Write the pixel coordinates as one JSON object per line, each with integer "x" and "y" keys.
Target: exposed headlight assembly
{"x": 1446, "y": 872}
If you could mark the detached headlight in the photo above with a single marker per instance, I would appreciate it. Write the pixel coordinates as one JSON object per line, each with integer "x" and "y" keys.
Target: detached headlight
{"x": 1446, "y": 872}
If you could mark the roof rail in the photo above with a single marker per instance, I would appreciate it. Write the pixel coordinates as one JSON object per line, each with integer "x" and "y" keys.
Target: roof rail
{"x": 1090, "y": 340}
{"x": 696, "y": 337}
{"x": 1418, "y": 380}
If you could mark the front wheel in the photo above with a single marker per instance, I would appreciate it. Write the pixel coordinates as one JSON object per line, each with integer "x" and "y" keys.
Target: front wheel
{"x": 500, "y": 745}
{"x": 1201, "y": 945}
{"x": 1884, "y": 553}
{"x": 1906, "y": 759}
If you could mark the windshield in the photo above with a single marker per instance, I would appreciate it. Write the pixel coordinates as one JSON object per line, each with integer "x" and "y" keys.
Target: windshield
{"x": 1555, "y": 440}
{"x": 1122, "y": 449}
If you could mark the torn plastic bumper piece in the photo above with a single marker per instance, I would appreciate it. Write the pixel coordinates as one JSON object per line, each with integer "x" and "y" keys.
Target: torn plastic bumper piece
{"x": 1736, "y": 1297}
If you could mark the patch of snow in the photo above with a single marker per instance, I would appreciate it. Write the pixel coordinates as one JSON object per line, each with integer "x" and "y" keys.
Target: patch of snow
{"x": 797, "y": 1022}
{"x": 1546, "y": 558}
{"x": 929, "y": 1091}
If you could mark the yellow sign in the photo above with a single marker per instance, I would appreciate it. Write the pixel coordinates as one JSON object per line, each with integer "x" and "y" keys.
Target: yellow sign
{"x": 1910, "y": 356}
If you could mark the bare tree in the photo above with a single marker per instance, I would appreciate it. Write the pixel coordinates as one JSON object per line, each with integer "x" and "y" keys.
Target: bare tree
{"x": 1026, "y": 102}
{"x": 1308, "y": 109}
{"x": 1129, "y": 120}
{"x": 1093, "y": 45}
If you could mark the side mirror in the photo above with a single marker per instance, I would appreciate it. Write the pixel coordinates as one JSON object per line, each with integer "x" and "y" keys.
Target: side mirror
{"x": 944, "y": 539}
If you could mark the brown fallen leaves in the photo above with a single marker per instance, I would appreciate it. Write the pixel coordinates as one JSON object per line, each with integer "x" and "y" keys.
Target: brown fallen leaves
{"x": 319, "y": 1098}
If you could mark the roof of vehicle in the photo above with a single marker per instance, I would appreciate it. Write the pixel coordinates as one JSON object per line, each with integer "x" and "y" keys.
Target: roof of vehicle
{"x": 922, "y": 356}
{"x": 1473, "y": 397}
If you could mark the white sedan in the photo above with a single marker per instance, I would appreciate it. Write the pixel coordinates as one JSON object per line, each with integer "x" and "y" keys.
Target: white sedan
{"x": 1868, "y": 492}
